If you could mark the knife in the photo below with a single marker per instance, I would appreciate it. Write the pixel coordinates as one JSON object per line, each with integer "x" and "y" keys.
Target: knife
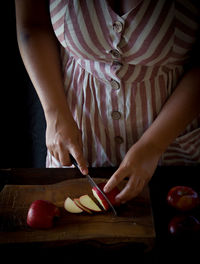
{"x": 93, "y": 184}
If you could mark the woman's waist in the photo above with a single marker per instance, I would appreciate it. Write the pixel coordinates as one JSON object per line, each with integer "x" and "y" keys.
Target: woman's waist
{"x": 121, "y": 72}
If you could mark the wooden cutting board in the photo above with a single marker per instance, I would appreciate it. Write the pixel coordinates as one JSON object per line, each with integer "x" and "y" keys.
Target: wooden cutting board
{"x": 134, "y": 222}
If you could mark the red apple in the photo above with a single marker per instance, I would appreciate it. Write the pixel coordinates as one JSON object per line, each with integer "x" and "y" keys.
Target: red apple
{"x": 184, "y": 225}
{"x": 183, "y": 198}
{"x": 41, "y": 214}
{"x": 110, "y": 195}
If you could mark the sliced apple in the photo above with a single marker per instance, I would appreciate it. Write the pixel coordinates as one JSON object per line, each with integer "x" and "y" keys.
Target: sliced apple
{"x": 77, "y": 202}
{"x": 87, "y": 202}
{"x": 110, "y": 195}
{"x": 71, "y": 206}
{"x": 100, "y": 199}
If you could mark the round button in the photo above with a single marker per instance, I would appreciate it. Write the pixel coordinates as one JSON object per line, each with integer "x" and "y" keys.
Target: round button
{"x": 115, "y": 53}
{"x": 116, "y": 115}
{"x": 119, "y": 140}
{"x": 117, "y": 26}
{"x": 115, "y": 85}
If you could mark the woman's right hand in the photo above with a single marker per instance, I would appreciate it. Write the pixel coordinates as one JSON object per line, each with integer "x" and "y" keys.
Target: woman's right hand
{"x": 63, "y": 137}
{"x": 40, "y": 51}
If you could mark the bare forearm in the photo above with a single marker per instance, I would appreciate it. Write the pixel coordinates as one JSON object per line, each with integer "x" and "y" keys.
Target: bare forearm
{"x": 40, "y": 54}
{"x": 180, "y": 109}
{"x": 39, "y": 49}
{"x": 141, "y": 160}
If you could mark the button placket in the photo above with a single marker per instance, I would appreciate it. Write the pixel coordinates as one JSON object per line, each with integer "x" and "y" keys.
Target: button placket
{"x": 118, "y": 28}
{"x": 117, "y": 114}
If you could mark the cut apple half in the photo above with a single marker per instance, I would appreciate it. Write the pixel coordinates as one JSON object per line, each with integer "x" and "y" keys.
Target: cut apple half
{"x": 87, "y": 202}
{"x": 100, "y": 199}
{"x": 77, "y": 202}
{"x": 71, "y": 206}
{"x": 110, "y": 195}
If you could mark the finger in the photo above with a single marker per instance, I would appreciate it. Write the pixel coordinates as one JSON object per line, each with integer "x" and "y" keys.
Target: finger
{"x": 115, "y": 179}
{"x": 55, "y": 155}
{"x": 63, "y": 154}
{"x": 80, "y": 140}
{"x": 131, "y": 190}
{"x": 64, "y": 158}
{"x": 78, "y": 155}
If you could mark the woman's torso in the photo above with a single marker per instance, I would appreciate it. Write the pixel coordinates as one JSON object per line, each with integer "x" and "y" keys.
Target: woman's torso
{"x": 121, "y": 67}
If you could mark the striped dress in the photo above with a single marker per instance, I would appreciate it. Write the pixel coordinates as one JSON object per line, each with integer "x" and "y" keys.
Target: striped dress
{"x": 120, "y": 70}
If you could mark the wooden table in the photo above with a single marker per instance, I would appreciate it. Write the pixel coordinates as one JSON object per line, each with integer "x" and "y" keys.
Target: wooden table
{"x": 148, "y": 231}
{"x": 133, "y": 226}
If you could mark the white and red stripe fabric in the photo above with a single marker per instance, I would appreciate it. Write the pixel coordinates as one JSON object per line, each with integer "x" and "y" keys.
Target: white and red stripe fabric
{"x": 120, "y": 70}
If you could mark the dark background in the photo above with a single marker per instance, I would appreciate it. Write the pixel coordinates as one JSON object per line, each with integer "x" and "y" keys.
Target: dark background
{"x": 22, "y": 132}
{"x": 22, "y": 144}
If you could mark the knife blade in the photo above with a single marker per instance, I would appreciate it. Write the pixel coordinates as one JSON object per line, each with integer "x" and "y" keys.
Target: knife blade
{"x": 93, "y": 184}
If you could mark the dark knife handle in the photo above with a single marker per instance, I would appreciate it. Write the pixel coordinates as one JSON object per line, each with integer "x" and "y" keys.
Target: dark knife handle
{"x": 74, "y": 162}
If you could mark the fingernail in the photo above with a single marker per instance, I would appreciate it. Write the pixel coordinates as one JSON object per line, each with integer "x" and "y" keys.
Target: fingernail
{"x": 85, "y": 171}
{"x": 105, "y": 189}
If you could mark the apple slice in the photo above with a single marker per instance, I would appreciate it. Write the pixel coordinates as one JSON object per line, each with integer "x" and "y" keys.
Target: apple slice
{"x": 71, "y": 206}
{"x": 100, "y": 199}
{"x": 77, "y": 202}
{"x": 110, "y": 195}
{"x": 87, "y": 202}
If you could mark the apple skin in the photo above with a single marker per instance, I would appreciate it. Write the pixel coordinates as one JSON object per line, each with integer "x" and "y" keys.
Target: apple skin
{"x": 184, "y": 225}
{"x": 110, "y": 195}
{"x": 41, "y": 214}
{"x": 183, "y": 198}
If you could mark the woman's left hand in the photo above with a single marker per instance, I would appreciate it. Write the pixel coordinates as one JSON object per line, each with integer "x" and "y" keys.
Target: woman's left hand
{"x": 138, "y": 166}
